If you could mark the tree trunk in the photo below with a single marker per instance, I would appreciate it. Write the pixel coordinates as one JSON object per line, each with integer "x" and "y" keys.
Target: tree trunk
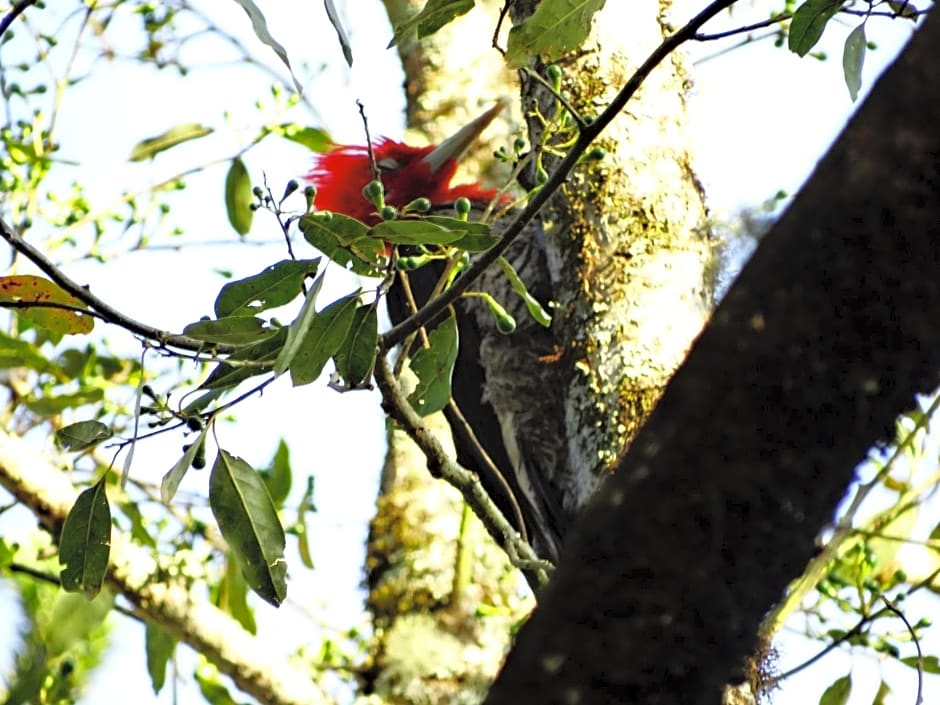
{"x": 823, "y": 340}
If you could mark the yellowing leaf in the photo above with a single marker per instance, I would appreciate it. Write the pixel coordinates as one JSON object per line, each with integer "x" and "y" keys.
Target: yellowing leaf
{"x": 152, "y": 146}
{"x": 26, "y": 288}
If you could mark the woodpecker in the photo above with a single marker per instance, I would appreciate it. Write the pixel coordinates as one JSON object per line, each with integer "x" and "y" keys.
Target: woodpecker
{"x": 510, "y": 433}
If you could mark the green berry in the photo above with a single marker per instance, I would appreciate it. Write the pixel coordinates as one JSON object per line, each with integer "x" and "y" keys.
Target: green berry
{"x": 374, "y": 193}
{"x": 388, "y": 213}
{"x": 462, "y": 207}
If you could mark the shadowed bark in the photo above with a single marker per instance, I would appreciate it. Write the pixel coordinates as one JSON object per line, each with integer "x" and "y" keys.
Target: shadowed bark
{"x": 825, "y": 338}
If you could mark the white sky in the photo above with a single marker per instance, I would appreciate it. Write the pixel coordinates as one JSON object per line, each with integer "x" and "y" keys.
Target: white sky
{"x": 761, "y": 118}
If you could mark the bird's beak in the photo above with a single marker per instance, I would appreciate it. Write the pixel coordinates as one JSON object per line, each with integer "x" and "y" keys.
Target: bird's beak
{"x": 458, "y": 143}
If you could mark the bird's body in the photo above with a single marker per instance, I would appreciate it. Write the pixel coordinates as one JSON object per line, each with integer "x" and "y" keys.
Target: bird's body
{"x": 493, "y": 412}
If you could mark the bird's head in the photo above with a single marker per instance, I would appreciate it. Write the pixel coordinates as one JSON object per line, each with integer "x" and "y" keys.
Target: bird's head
{"x": 406, "y": 172}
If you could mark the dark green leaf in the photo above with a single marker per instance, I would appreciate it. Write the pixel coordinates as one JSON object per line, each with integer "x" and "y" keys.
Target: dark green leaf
{"x": 239, "y": 197}
{"x": 808, "y": 23}
{"x": 323, "y": 338}
{"x": 555, "y": 28}
{"x": 234, "y": 330}
{"x": 159, "y": 646}
{"x": 436, "y": 14}
{"x": 82, "y": 435}
{"x": 47, "y": 406}
{"x": 333, "y": 16}
{"x": 260, "y": 26}
{"x": 152, "y": 146}
{"x": 227, "y": 375}
{"x": 535, "y": 309}
{"x": 211, "y": 688}
{"x": 930, "y": 664}
{"x": 434, "y": 367}
{"x": 416, "y": 232}
{"x": 278, "y": 476}
{"x": 314, "y": 139}
{"x": 248, "y": 520}
{"x": 85, "y": 545}
{"x": 355, "y": 358}
{"x": 276, "y": 286}
{"x": 297, "y": 331}
{"x": 853, "y": 59}
{"x": 171, "y": 481}
{"x": 837, "y": 693}
{"x": 344, "y": 240}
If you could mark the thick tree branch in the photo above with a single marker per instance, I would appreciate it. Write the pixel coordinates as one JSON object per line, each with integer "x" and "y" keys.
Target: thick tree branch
{"x": 824, "y": 339}
{"x": 47, "y": 491}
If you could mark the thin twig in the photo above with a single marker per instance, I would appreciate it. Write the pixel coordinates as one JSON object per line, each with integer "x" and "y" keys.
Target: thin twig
{"x": 920, "y": 655}
{"x": 441, "y": 465}
{"x": 585, "y": 137}
{"x": 99, "y": 307}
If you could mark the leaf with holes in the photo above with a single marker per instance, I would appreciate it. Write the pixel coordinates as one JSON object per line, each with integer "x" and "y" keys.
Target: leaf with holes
{"x": 26, "y": 288}
{"x": 277, "y": 285}
{"x": 248, "y": 520}
{"x": 85, "y": 545}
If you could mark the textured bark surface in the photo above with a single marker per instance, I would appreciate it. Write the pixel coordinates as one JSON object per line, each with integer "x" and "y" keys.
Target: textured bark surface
{"x": 825, "y": 337}
{"x": 628, "y": 259}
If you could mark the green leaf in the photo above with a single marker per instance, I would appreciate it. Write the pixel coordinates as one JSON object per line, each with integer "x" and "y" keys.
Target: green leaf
{"x": 26, "y": 288}
{"x": 248, "y": 520}
{"x": 535, "y": 309}
{"x": 233, "y": 330}
{"x": 416, "y": 232}
{"x": 152, "y": 146}
{"x": 85, "y": 545}
{"x": 902, "y": 8}
{"x": 226, "y": 375}
{"x": 239, "y": 197}
{"x": 297, "y": 331}
{"x": 278, "y": 476}
{"x": 434, "y": 367}
{"x": 838, "y": 692}
{"x": 302, "y": 529}
{"x": 210, "y": 687}
{"x": 555, "y": 28}
{"x": 260, "y": 26}
{"x": 881, "y": 697}
{"x": 47, "y": 406}
{"x": 232, "y": 596}
{"x": 436, "y": 14}
{"x": 20, "y": 353}
{"x": 930, "y": 664}
{"x": 333, "y": 16}
{"x": 82, "y": 435}
{"x": 808, "y": 23}
{"x": 356, "y": 356}
{"x": 345, "y": 241}
{"x": 171, "y": 481}
{"x": 323, "y": 339}
{"x": 853, "y": 59}
{"x": 73, "y": 619}
{"x": 314, "y": 139}
{"x": 276, "y": 285}
{"x": 159, "y": 647}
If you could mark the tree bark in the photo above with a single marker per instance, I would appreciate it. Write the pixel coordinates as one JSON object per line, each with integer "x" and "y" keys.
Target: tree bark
{"x": 825, "y": 338}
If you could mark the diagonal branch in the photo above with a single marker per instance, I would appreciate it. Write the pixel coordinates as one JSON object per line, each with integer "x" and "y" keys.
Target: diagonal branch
{"x": 441, "y": 465}
{"x": 101, "y": 308}
{"x": 133, "y": 574}
{"x": 586, "y": 136}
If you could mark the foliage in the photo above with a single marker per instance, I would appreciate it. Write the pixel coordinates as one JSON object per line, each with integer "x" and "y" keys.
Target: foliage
{"x": 70, "y": 383}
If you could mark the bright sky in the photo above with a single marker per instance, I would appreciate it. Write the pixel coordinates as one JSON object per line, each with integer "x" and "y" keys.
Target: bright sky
{"x": 761, "y": 118}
